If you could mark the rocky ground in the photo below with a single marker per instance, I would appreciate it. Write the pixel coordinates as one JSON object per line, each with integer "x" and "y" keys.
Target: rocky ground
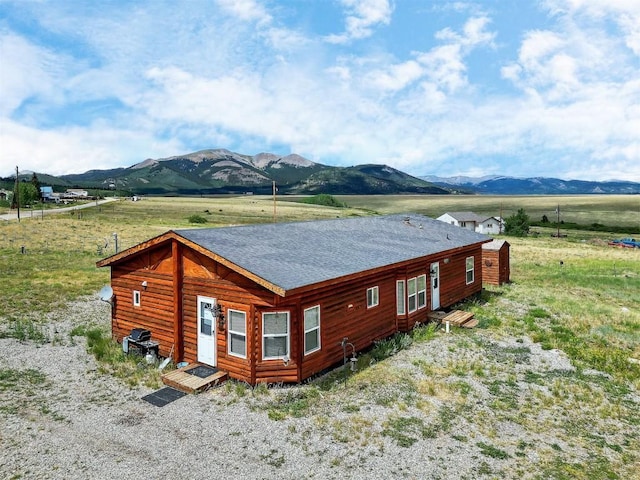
{"x": 469, "y": 404}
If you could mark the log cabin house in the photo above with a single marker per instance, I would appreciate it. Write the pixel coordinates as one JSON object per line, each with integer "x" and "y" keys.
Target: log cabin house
{"x": 291, "y": 294}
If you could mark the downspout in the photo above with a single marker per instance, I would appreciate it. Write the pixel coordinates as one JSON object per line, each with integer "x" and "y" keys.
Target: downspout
{"x": 252, "y": 346}
{"x": 176, "y": 253}
{"x": 300, "y": 340}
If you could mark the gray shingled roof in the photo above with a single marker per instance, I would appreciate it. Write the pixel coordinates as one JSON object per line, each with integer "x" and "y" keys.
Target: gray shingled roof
{"x": 468, "y": 217}
{"x": 293, "y": 255}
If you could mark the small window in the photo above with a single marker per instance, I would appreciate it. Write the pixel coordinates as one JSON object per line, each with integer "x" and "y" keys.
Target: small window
{"x": 136, "y": 298}
{"x": 275, "y": 335}
{"x": 470, "y": 270}
{"x": 237, "y": 335}
{"x": 401, "y": 307}
{"x": 412, "y": 294}
{"x": 312, "y": 329}
{"x": 422, "y": 291}
{"x": 372, "y": 297}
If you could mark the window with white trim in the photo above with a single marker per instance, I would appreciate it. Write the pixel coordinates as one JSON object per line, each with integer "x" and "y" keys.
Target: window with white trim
{"x": 412, "y": 299}
{"x": 237, "y": 333}
{"x": 312, "y": 329}
{"x": 136, "y": 298}
{"x": 401, "y": 306}
{"x": 275, "y": 335}
{"x": 422, "y": 291}
{"x": 470, "y": 270}
{"x": 372, "y": 297}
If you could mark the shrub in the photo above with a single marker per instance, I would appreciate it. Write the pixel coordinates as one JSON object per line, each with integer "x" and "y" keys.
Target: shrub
{"x": 517, "y": 224}
{"x": 195, "y": 218}
{"x": 325, "y": 200}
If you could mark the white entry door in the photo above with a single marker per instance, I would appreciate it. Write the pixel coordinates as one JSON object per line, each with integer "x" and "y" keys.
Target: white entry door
{"x": 435, "y": 285}
{"x": 206, "y": 331}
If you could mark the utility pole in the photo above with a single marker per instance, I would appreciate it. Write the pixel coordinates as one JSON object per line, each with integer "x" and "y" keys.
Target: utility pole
{"x": 558, "y": 220}
{"x": 274, "y": 201}
{"x": 16, "y": 194}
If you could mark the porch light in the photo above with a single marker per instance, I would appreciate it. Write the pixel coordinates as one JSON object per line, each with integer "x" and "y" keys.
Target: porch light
{"x": 218, "y": 316}
{"x": 216, "y": 313}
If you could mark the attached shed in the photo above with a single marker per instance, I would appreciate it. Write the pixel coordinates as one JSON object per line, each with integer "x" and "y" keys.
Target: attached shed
{"x": 495, "y": 262}
{"x": 291, "y": 294}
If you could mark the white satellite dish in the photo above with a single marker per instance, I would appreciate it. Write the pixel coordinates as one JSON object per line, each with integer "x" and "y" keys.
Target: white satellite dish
{"x": 106, "y": 293}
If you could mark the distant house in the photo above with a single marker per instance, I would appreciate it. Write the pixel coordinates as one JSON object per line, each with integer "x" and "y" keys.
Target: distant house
{"x": 282, "y": 301}
{"x": 46, "y": 193}
{"x": 5, "y": 194}
{"x": 473, "y": 221}
{"x": 76, "y": 193}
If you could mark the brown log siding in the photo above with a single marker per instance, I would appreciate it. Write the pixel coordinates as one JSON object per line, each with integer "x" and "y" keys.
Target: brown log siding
{"x": 495, "y": 266}
{"x": 343, "y": 308}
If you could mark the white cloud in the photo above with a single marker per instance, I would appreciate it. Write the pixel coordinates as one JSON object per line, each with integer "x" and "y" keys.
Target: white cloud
{"x": 398, "y": 76}
{"x": 445, "y": 64}
{"x": 247, "y": 10}
{"x": 28, "y": 71}
{"x": 362, "y": 16}
{"x": 197, "y": 79}
{"x": 77, "y": 149}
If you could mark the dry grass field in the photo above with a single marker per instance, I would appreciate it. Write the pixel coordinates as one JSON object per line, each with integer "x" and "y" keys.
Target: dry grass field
{"x": 547, "y": 386}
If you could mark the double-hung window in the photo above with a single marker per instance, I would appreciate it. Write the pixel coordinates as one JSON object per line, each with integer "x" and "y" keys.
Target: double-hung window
{"x": 422, "y": 291}
{"x": 470, "y": 270}
{"x": 372, "y": 297}
{"x": 412, "y": 299}
{"x": 275, "y": 335}
{"x": 401, "y": 306}
{"x": 312, "y": 329}
{"x": 237, "y": 333}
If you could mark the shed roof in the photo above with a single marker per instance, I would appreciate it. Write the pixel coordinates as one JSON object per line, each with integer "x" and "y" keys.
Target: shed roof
{"x": 494, "y": 244}
{"x": 294, "y": 255}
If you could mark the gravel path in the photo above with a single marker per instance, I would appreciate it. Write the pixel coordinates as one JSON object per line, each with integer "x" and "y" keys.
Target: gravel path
{"x": 72, "y": 422}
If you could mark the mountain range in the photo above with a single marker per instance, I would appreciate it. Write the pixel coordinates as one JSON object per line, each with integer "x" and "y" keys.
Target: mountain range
{"x": 499, "y": 185}
{"x": 223, "y": 171}
{"x": 216, "y": 171}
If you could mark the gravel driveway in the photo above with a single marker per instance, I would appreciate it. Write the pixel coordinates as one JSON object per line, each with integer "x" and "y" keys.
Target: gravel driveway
{"x": 61, "y": 418}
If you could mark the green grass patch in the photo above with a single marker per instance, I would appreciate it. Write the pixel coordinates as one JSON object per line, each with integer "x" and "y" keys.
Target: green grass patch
{"x": 132, "y": 368}
{"x": 491, "y": 451}
{"x": 404, "y": 430}
{"x": 292, "y": 403}
{"x": 10, "y": 378}
{"x": 26, "y": 330}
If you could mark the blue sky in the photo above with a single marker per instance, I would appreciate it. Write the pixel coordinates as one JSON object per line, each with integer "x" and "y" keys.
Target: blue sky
{"x": 505, "y": 87}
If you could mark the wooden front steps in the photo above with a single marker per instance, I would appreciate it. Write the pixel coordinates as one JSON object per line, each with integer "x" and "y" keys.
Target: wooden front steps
{"x": 456, "y": 318}
{"x": 186, "y": 382}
